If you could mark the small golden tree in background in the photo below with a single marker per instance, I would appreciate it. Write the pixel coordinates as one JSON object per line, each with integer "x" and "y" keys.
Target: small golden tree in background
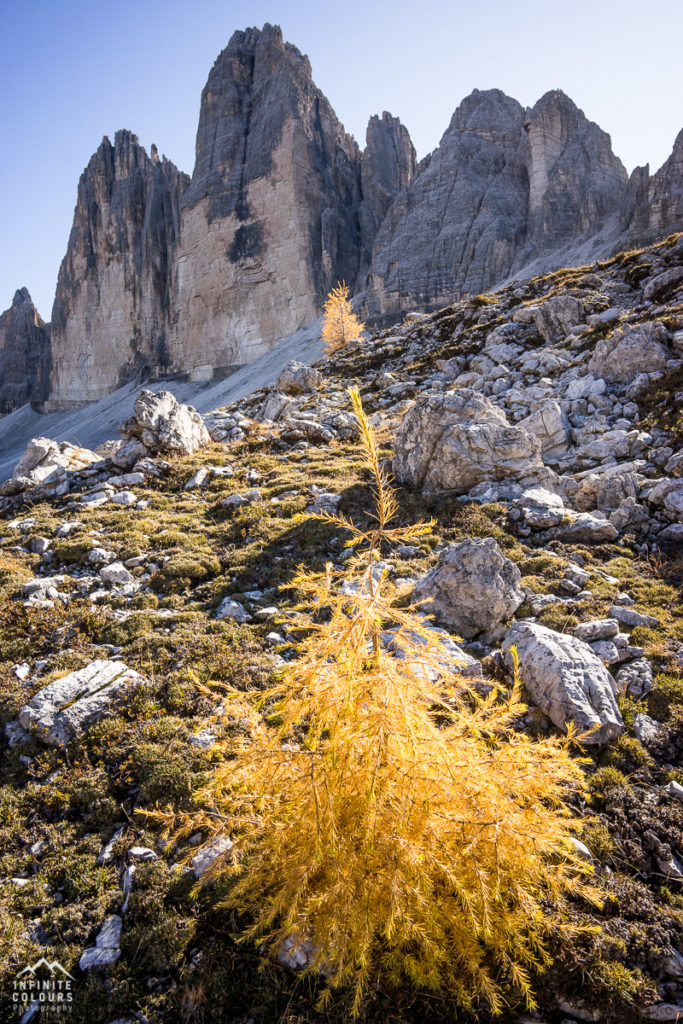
{"x": 399, "y": 825}
{"x": 340, "y": 324}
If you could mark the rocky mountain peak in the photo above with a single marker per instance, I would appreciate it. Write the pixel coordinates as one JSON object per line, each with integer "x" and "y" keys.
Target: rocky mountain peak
{"x": 274, "y": 198}
{"x": 389, "y": 160}
{"x": 22, "y": 296}
{"x": 24, "y": 354}
{"x": 666, "y": 193}
{"x": 255, "y": 84}
{"x": 575, "y": 180}
{"x": 463, "y": 219}
{"x": 487, "y": 113}
{"x": 109, "y": 315}
{"x": 172, "y": 276}
{"x": 388, "y": 166}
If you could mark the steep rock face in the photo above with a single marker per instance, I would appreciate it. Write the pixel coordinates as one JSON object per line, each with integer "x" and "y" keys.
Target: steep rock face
{"x": 504, "y": 188}
{"x": 270, "y": 220}
{"x": 167, "y": 275}
{"x": 666, "y": 193}
{"x": 25, "y": 354}
{"x": 654, "y": 205}
{"x": 575, "y": 180}
{"x": 388, "y": 167}
{"x": 461, "y": 223}
{"x": 111, "y": 307}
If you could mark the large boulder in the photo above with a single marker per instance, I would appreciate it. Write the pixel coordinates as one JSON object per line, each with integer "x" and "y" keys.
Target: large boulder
{"x": 70, "y": 705}
{"x": 298, "y": 379}
{"x": 566, "y": 679}
{"x": 45, "y": 464}
{"x": 452, "y": 442}
{"x": 635, "y": 351}
{"x": 551, "y": 426}
{"x": 162, "y": 424}
{"x": 472, "y": 589}
{"x": 556, "y": 316}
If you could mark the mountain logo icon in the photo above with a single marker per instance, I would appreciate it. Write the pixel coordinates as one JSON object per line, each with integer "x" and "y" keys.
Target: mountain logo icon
{"x": 53, "y": 968}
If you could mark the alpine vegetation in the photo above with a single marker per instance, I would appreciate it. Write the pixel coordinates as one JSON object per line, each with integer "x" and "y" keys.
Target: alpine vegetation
{"x": 384, "y": 820}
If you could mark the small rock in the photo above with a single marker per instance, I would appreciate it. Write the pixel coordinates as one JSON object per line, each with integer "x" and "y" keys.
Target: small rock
{"x": 237, "y": 500}
{"x": 452, "y": 442}
{"x": 266, "y": 613}
{"x": 66, "y": 528}
{"x": 115, "y": 573}
{"x": 229, "y": 609}
{"x": 671, "y": 867}
{"x": 674, "y": 965}
{"x": 162, "y": 424}
{"x": 203, "y": 861}
{"x": 296, "y": 954}
{"x": 298, "y": 379}
{"x": 629, "y": 617}
{"x": 636, "y": 678}
{"x": 675, "y": 790}
{"x": 581, "y": 848}
{"x": 587, "y": 527}
{"x": 124, "y": 498}
{"x": 198, "y": 480}
{"x": 127, "y": 877}
{"x": 325, "y": 502}
{"x": 142, "y": 853}
{"x": 106, "y": 854}
{"x": 646, "y": 729}
{"x": 664, "y": 1012}
{"x": 68, "y": 706}
{"x": 100, "y": 556}
{"x": 566, "y": 680}
{"x": 607, "y": 652}
{"x": 203, "y": 740}
{"x": 106, "y": 949}
{"x": 474, "y": 587}
{"x": 596, "y": 629}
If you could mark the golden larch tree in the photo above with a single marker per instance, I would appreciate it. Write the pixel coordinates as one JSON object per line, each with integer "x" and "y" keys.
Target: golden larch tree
{"x": 340, "y": 324}
{"x": 385, "y": 816}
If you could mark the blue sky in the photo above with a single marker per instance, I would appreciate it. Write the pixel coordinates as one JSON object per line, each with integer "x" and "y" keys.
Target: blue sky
{"x": 71, "y": 72}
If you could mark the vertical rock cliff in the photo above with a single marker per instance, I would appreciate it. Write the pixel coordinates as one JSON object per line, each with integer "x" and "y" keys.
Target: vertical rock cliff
{"x": 111, "y": 308}
{"x": 654, "y": 205}
{"x": 576, "y": 183}
{"x": 505, "y": 189}
{"x": 461, "y": 223}
{"x": 387, "y": 168}
{"x": 270, "y": 220}
{"x": 25, "y": 355}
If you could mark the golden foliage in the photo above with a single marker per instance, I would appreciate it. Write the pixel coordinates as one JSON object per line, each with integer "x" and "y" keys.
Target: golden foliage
{"x": 340, "y": 324}
{"x": 383, "y": 811}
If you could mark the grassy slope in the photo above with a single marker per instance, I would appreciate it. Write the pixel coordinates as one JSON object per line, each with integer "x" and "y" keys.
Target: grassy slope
{"x": 180, "y": 960}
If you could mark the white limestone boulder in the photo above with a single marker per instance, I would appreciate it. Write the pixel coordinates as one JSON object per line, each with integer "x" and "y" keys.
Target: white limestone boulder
{"x": 162, "y": 424}
{"x": 473, "y": 588}
{"x": 566, "y": 680}
{"x": 450, "y": 443}
{"x": 70, "y": 705}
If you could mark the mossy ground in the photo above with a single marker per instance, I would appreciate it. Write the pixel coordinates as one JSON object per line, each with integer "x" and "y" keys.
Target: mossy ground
{"x": 181, "y": 960}
{"x": 180, "y": 957}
